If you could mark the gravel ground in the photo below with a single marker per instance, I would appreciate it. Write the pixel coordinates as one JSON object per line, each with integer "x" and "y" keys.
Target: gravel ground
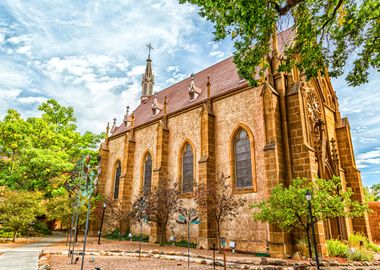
{"x": 109, "y": 245}
{"x": 62, "y": 262}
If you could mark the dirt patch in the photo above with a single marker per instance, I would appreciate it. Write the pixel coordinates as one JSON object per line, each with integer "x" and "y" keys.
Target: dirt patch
{"x": 62, "y": 262}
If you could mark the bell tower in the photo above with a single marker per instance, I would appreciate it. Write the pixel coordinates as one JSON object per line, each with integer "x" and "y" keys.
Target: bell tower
{"x": 147, "y": 78}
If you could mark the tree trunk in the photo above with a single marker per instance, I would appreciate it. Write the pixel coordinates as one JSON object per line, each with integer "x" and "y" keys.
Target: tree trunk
{"x": 76, "y": 234}
{"x": 162, "y": 236}
{"x": 218, "y": 237}
{"x": 67, "y": 236}
{"x": 14, "y": 236}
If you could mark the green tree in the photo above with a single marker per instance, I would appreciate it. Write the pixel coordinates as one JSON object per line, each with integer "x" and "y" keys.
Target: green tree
{"x": 19, "y": 209}
{"x": 288, "y": 209}
{"x": 372, "y": 194}
{"x": 328, "y": 33}
{"x": 60, "y": 208}
{"x": 39, "y": 153}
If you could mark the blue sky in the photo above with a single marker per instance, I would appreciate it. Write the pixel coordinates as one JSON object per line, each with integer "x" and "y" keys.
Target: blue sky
{"x": 91, "y": 54}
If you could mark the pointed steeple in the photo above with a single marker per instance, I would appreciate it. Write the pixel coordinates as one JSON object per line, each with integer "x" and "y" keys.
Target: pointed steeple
{"x": 147, "y": 78}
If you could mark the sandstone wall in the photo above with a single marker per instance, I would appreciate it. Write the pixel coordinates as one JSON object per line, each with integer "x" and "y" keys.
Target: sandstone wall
{"x": 374, "y": 221}
{"x": 243, "y": 109}
{"x": 116, "y": 152}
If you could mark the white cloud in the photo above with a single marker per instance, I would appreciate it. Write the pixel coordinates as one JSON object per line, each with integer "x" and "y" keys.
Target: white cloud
{"x": 369, "y": 159}
{"x": 31, "y": 100}
{"x": 9, "y": 94}
{"x": 218, "y": 54}
{"x": 12, "y": 77}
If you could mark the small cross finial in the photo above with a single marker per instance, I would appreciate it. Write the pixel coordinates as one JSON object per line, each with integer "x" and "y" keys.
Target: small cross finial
{"x": 150, "y": 49}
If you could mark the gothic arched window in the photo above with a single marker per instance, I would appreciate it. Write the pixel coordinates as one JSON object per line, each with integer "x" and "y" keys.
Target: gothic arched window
{"x": 147, "y": 181}
{"x": 243, "y": 160}
{"x": 187, "y": 169}
{"x": 117, "y": 181}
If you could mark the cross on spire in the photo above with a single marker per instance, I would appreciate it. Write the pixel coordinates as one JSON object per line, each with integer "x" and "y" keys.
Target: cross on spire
{"x": 150, "y": 48}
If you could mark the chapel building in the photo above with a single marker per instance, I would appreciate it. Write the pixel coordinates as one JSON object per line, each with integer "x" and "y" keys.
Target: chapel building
{"x": 213, "y": 123}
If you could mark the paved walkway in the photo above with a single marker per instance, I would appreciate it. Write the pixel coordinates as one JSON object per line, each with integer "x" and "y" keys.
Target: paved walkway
{"x": 26, "y": 257}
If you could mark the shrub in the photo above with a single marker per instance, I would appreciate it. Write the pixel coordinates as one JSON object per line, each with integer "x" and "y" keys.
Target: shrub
{"x": 356, "y": 239}
{"x": 182, "y": 243}
{"x": 373, "y": 247}
{"x": 136, "y": 238}
{"x": 4, "y": 233}
{"x": 337, "y": 248}
{"x": 361, "y": 254}
{"x": 41, "y": 228}
{"x": 115, "y": 234}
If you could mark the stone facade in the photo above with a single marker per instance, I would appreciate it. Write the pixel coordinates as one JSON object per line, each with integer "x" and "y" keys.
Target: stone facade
{"x": 374, "y": 221}
{"x": 294, "y": 127}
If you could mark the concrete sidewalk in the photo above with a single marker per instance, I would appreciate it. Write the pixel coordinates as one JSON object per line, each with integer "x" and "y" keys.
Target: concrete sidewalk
{"x": 26, "y": 257}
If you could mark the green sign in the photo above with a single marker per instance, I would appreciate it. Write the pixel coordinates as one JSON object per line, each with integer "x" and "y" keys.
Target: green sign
{"x": 196, "y": 222}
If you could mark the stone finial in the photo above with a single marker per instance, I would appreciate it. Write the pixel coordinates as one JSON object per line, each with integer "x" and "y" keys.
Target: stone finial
{"x": 113, "y": 126}
{"x": 107, "y": 130}
{"x": 127, "y": 110}
{"x": 156, "y": 106}
{"x": 126, "y": 117}
{"x": 208, "y": 87}
{"x": 335, "y": 155}
{"x": 194, "y": 91}
{"x": 165, "y": 105}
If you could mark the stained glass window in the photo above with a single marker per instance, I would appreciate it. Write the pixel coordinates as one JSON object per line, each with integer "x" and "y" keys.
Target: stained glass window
{"x": 187, "y": 169}
{"x": 243, "y": 162}
{"x": 117, "y": 181}
{"x": 147, "y": 174}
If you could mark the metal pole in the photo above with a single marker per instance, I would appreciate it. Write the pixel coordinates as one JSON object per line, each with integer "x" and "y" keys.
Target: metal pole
{"x": 224, "y": 257}
{"x": 85, "y": 231}
{"x": 101, "y": 225}
{"x": 188, "y": 242}
{"x": 140, "y": 238}
{"x": 71, "y": 232}
{"x": 314, "y": 240}
{"x": 75, "y": 232}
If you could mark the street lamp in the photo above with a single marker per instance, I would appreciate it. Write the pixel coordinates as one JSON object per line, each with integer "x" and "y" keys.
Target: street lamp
{"x": 308, "y": 199}
{"x": 101, "y": 223}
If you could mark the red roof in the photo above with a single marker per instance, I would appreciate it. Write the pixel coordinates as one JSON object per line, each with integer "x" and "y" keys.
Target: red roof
{"x": 223, "y": 78}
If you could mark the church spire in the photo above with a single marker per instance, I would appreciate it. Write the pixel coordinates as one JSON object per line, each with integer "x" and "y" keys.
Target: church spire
{"x": 147, "y": 78}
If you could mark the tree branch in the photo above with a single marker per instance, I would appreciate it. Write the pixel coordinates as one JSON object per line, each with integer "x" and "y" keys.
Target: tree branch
{"x": 289, "y": 5}
{"x": 333, "y": 14}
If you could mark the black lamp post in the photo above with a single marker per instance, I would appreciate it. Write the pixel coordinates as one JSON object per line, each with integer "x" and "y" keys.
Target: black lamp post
{"x": 101, "y": 223}
{"x": 308, "y": 198}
